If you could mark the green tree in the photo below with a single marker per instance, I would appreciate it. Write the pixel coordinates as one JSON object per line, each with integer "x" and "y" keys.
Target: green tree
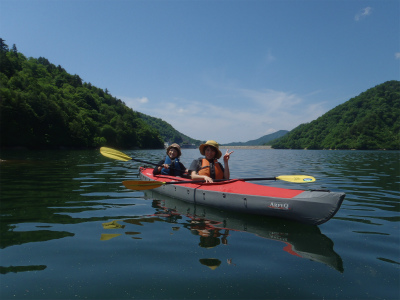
{"x": 367, "y": 122}
{"x": 42, "y": 106}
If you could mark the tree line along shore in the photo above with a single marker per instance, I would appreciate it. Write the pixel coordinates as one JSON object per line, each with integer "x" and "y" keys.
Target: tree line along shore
{"x": 44, "y": 107}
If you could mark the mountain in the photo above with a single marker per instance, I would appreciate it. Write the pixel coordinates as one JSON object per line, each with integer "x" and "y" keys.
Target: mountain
{"x": 43, "y": 106}
{"x": 369, "y": 121}
{"x": 260, "y": 141}
{"x": 168, "y": 133}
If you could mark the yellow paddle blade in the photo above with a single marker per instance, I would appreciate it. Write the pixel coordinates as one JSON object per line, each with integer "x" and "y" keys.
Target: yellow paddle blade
{"x": 115, "y": 154}
{"x": 112, "y": 225}
{"x": 139, "y": 185}
{"x": 108, "y": 236}
{"x": 296, "y": 178}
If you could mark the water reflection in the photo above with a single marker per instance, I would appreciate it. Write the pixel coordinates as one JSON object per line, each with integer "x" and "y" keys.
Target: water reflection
{"x": 213, "y": 228}
{"x": 16, "y": 269}
{"x": 212, "y": 263}
{"x": 11, "y": 238}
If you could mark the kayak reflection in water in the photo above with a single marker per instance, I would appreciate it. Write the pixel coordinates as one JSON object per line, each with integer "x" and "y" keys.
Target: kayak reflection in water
{"x": 209, "y": 168}
{"x": 171, "y": 164}
{"x": 214, "y": 227}
{"x": 210, "y": 236}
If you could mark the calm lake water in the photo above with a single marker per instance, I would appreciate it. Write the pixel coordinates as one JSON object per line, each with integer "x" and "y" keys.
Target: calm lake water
{"x": 70, "y": 230}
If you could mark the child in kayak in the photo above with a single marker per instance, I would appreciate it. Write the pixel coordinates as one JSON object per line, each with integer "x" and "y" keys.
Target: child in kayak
{"x": 171, "y": 164}
{"x": 209, "y": 168}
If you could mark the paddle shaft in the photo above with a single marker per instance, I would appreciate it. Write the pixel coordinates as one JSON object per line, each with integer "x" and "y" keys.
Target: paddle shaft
{"x": 220, "y": 180}
{"x": 147, "y": 185}
{"x": 115, "y": 154}
{"x": 146, "y": 162}
{"x": 290, "y": 178}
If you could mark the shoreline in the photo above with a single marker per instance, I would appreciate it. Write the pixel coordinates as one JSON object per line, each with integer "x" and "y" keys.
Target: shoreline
{"x": 245, "y": 147}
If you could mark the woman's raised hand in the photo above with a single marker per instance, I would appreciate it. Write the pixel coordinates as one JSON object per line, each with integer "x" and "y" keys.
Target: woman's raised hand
{"x": 227, "y": 155}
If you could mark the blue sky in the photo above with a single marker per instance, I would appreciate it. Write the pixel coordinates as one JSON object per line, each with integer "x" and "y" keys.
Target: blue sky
{"x": 224, "y": 70}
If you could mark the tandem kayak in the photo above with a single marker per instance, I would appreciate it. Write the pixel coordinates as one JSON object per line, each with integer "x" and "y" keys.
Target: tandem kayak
{"x": 313, "y": 207}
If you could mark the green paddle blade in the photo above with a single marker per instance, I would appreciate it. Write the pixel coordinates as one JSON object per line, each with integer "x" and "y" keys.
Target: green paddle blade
{"x": 139, "y": 185}
{"x": 296, "y": 178}
{"x": 115, "y": 154}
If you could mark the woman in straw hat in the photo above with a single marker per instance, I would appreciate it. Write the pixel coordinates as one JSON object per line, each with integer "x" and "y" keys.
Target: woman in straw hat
{"x": 208, "y": 168}
{"x": 171, "y": 164}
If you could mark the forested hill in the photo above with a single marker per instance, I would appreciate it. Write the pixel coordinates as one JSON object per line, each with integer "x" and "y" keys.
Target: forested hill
{"x": 260, "y": 141}
{"x": 369, "y": 121}
{"x": 42, "y": 106}
{"x": 169, "y": 134}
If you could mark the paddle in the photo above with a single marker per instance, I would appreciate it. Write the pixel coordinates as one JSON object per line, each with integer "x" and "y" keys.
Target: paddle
{"x": 147, "y": 185}
{"x": 115, "y": 154}
{"x": 139, "y": 185}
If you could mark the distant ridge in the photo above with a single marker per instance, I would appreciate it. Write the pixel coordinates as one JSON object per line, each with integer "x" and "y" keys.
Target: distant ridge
{"x": 168, "y": 133}
{"x": 260, "y": 141}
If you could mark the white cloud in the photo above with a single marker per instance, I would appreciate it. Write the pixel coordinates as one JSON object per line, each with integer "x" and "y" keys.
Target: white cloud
{"x": 269, "y": 58}
{"x": 363, "y": 13}
{"x": 397, "y": 55}
{"x": 135, "y": 103}
{"x": 271, "y": 100}
{"x": 253, "y": 114}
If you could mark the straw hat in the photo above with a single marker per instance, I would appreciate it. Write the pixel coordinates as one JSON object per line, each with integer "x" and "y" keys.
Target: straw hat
{"x": 177, "y": 147}
{"x": 213, "y": 144}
